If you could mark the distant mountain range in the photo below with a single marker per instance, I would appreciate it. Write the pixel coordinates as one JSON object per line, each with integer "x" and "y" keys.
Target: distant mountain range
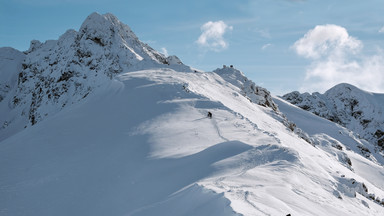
{"x": 360, "y": 111}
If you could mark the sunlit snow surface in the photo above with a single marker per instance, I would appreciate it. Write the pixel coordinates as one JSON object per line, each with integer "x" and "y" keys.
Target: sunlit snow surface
{"x": 142, "y": 145}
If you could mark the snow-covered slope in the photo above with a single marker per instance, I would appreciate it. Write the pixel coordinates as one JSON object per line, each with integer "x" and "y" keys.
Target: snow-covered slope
{"x": 357, "y": 110}
{"x": 140, "y": 143}
{"x": 143, "y": 145}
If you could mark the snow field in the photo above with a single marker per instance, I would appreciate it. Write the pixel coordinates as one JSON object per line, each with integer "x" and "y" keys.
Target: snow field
{"x": 143, "y": 145}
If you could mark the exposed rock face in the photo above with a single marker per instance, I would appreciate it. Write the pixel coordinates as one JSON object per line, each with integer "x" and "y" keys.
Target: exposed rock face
{"x": 249, "y": 89}
{"x": 353, "y": 108}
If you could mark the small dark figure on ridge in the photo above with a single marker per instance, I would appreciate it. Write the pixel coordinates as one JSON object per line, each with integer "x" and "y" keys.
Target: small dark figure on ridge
{"x": 209, "y": 115}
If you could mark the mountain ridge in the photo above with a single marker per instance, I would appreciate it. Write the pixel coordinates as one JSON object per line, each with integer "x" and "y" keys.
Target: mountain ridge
{"x": 349, "y": 106}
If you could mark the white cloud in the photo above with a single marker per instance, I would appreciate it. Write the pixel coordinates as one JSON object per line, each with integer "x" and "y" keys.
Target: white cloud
{"x": 265, "y": 46}
{"x": 212, "y": 35}
{"x": 381, "y": 30}
{"x": 324, "y": 40}
{"x": 337, "y": 57}
{"x": 164, "y": 51}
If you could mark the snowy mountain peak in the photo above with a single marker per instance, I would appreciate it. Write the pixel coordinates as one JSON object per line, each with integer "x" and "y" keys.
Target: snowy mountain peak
{"x": 60, "y": 72}
{"x": 96, "y": 21}
{"x": 230, "y": 70}
{"x": 349, "y": 106}
{"x": 231, "y": 74}
{"x": 106, "y": 29}
{"x": 345, "y": 88}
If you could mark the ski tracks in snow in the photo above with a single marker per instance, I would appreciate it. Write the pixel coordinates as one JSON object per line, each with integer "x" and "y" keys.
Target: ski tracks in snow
{"x": 214, "y": 122}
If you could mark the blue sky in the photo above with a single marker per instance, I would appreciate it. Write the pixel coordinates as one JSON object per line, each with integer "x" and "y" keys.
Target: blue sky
{"x": 283, "y": 45}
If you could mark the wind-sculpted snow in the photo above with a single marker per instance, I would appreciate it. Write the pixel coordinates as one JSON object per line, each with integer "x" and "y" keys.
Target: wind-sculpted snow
{"x": 357, "y": 110}
{"x": 192, "y": 201}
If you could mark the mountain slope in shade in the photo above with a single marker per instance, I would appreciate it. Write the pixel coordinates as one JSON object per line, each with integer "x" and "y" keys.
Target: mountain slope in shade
{"x": 10, "y": 63}
{"x": 139, "y": 141}
{"x": 10, "y": 66}
{"x": 353, "y": 108}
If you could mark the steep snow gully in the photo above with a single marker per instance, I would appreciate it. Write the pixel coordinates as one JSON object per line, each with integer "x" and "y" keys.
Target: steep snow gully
{"x": 99, "y": 123}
